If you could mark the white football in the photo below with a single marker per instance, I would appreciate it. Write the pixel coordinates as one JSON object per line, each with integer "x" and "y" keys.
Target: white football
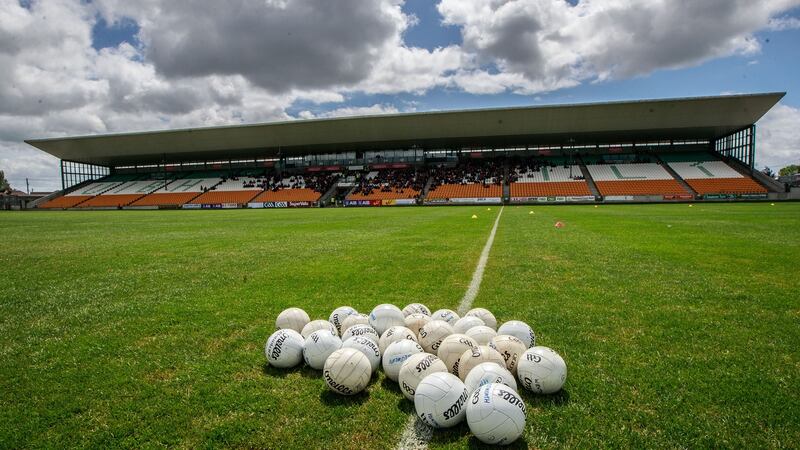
{"x": 396, "y": 354}
{"x": 416, "y": 308}
{"x": 366, "y": 346}
{"x": 386, "y": 316}
{"x": 440, "y": 400}
{"x": 451, "y": 349}
{"x": 465, "y": 323}
{"x": 485, "y": 315}
{"x": 475, "y": 356}
{"x": 318, "y": 346}
{"x": 417, "y": 367}
{"x": 448, "y": 315}
{"x": 415, "y": 322}
{"x": 482, "y": 334}
{"x": 432, "y": 334}
{"x": 542, "y": 370}
{"x": 496, "y": 414}
{"x": 361, "y": 330}
{"x": 347, "y": 371}
{"x": 316, "y": 325}
{"x": 511, "y": 348}
{"x": 489, "y": 372}
{"x": 394, "y": 334}
{"x": 284, "y": 348}
{"x": 338, "y": 315}
{"x": 354, "y": 319}
{"x": 292, "y": 319}
{"x": 519, "y": 330}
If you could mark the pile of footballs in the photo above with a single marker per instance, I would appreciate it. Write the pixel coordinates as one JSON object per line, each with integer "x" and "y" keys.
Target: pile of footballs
{"x": 452, "y": 368}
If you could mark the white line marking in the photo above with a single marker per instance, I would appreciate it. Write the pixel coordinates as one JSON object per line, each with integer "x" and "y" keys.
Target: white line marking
{"x": 416, "y": 434}
{"x": 477, "y": 276}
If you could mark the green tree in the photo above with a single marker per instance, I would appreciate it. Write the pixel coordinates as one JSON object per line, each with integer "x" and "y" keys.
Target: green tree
{"x": 4, "y": 186}
{"x": 789, "y": 170}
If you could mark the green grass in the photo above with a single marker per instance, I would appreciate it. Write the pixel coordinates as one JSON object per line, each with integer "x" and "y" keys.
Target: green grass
{"x": 146, "y": 329}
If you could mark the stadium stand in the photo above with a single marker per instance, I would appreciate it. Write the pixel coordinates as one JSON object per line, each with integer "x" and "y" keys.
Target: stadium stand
{"x": 533, "y": 178}
{"x": 233, "y": 190}
{"x": 634, "y": 179}
{"x": 125, "y": 193}
{"x": 180, "y": 191}
{"x": 715, "y": 177}
{"x": 297, "y": 188}
{"x": 80, "y": 195}
{"x": 470, "y": 179}
{"x": 388, "y": 185}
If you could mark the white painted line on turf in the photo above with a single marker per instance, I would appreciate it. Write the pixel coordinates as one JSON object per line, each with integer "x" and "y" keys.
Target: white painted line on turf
{"x": 416, "y": 434}
{"x": 477, "y": 276}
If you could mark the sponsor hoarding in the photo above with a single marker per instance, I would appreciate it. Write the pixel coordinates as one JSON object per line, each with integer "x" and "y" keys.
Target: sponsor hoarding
{"x": 619, "y": 198}
{"x": 362, "y": 203}
{"x": 754, "y": 196}
{"x": 436, "y": 201}
{"x": 230, "y": 205}
{"x": 476, "y": 200}
{"x": 191, "y": 206}
{"x": 398, "y": 202}
{"x": 678, "y": 197}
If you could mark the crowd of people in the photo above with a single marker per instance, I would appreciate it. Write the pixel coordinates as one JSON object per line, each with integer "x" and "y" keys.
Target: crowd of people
{"x": 470, "y": 172}
{"x": 318, "y": 182}
{"x": 395, "y": 180}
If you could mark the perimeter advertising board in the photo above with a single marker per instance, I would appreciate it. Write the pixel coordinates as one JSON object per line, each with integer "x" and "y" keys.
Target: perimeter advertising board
{"x": 280, "y": 204}
{"x": 362, "y": 203}
{"x": 481, "y": 200}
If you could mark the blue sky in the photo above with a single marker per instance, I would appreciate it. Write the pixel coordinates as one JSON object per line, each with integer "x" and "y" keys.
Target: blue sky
{"x": 105, "y": 66}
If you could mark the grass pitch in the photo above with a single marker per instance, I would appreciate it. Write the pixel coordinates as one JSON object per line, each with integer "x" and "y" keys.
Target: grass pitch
{"x": 146, "y": 329}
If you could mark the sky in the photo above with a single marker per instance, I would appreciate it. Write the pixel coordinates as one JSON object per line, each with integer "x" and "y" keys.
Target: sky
{"x": 80, "y": 67}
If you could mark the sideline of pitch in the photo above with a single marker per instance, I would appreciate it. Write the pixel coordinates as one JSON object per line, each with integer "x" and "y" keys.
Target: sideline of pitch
{"x": 417, "y": 434}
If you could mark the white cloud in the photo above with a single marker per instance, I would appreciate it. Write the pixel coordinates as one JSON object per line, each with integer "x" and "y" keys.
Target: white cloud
{"x": 353, "y": 111}
{"x": 552, "y": 44}
{"x": 778, "y": 138}
{"x": 784, "y": 23}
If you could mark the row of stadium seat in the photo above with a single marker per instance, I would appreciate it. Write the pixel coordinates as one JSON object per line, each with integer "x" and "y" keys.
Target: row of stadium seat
{"x": 469, "y": 181}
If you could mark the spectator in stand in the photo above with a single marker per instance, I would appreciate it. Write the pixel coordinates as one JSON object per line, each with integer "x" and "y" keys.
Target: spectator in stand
{"x": 485, "y": 172}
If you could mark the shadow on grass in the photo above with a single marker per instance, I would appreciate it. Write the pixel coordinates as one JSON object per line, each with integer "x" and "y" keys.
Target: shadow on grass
{"x": 331, "y": 398}
{"x": 557, "y": 400}
{"x": 304, "y": 371}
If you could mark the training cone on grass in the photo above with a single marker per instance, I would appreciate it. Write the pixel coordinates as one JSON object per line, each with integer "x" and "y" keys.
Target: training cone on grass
{"x": 595, "y": 206}
{"x": 559, "y": 225}
{"x": 488, "y": 209}
{"x": 474, "y": 216}
{"x": 530, "y": 212}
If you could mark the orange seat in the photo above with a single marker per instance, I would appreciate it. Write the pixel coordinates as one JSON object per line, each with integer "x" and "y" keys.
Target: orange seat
{"x": 67, "y": 201}
{"x": 641, "y": 187}
{"x": 110, "y": 200}
{"x": 288, "y": 195}
{"x": 473, "y": 190}
{"x": 378, "y": 195}
{"x": 165, "y": 198}
{"x": 726, "y": 186}
{"x": 216, "y": 197}
{"x": 549, "y": 189}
